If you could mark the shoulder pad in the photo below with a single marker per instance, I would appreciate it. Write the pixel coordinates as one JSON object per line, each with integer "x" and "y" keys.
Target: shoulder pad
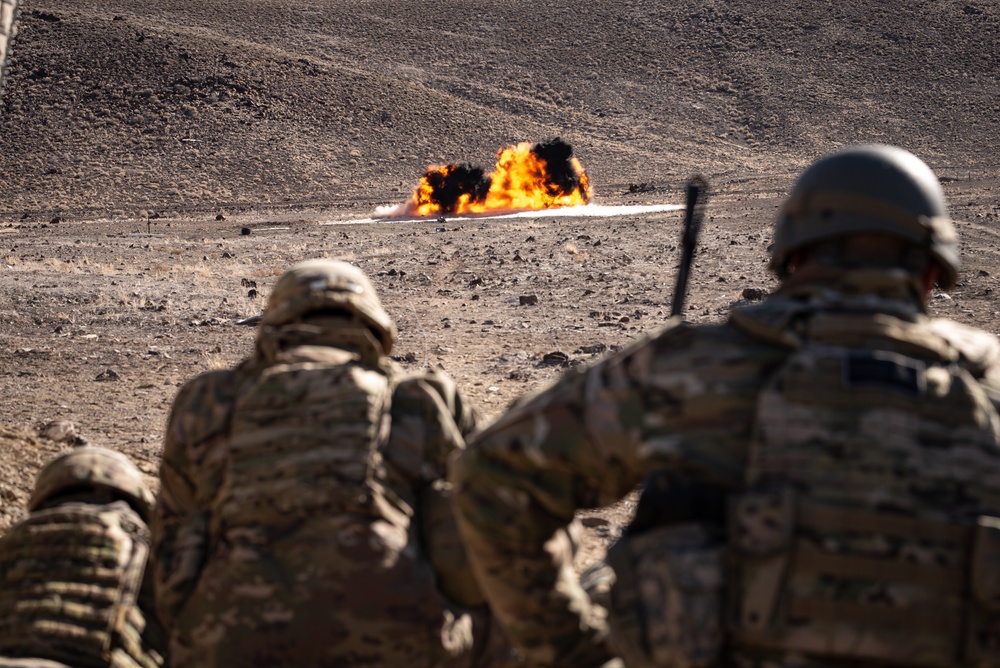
{"x": 979, "y": 351}
{"x": 770, "y": 321}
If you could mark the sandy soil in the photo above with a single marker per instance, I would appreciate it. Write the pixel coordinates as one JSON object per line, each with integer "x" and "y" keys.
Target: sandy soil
{"x": 138, "y": 140}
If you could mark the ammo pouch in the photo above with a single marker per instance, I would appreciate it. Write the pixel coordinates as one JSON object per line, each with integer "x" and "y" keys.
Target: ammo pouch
{"x": 444, "y": 548}
{"x": 666, "y": 605}
{"x": 860, "y": 584}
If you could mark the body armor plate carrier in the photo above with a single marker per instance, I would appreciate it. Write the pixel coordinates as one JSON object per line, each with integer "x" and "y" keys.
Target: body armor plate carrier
{"x": 868, "y": 531}
{"x": 69, "y": 583}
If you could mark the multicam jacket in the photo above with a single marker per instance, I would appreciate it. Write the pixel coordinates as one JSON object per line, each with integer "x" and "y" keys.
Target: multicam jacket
{"x": 284, "y": 530}
{"x": 857, "y": 441}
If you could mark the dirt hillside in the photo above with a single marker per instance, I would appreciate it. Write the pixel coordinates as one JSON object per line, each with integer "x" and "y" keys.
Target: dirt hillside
{"x": 136, "y": 124}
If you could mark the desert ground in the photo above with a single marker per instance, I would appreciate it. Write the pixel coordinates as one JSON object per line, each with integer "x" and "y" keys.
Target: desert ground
{"x": 155, "y": 158}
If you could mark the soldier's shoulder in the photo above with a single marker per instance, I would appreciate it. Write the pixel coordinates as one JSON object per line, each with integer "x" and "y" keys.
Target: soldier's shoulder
{"x": 678, "y": 339}
{"x": 979, "y": 351}
{"x": 425, "y": 386}
{"x": 434, "y": 389}
{"x": 204, "y": 386}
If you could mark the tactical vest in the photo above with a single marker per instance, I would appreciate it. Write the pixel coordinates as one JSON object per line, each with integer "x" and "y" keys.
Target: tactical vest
{"x": 69, "y": 583}
{"x": 305, "y": 440}
{"x": 869, "y": 527}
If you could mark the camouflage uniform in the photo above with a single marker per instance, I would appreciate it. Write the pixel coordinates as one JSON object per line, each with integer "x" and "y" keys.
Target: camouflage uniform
{"x": 830, "y": 459}
{"x": 72, "y": 585}
{"x": 290, "y": 524}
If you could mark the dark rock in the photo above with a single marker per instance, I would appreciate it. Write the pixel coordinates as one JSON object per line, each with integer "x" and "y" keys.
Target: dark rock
{"x": 555, "y": 358}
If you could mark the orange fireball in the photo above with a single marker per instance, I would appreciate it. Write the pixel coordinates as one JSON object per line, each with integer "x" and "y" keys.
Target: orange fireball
{"x": 526, "y": 177}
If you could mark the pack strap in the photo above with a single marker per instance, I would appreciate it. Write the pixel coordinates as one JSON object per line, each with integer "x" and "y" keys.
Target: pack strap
{"x": 915, "y": 620}
{"x": 809, "y": 559}
{"x": 833, "y": 519}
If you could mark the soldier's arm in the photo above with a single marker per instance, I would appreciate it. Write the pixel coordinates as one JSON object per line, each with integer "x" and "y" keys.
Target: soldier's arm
{"x": 682, "y": 400}
{"x": 464, "y": 415}
{"x": 979, "y": 353}
{"x": 430, "y": 420}
{"x": 190, "y": 473}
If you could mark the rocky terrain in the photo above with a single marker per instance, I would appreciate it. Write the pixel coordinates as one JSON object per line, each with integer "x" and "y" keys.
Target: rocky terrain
{"x": 155, "y": 158}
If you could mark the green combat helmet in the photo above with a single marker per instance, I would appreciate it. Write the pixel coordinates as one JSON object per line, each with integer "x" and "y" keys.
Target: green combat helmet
{"x": 317, "y": 285}
{"x": 93, "y": 468}
{"x": 868, "y": 188}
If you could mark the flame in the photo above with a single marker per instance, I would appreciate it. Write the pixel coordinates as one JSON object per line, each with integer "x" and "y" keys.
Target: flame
{"x": 526, "y": 177}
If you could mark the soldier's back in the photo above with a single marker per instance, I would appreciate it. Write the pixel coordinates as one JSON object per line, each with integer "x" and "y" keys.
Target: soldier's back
{"x": 70, "y": 587}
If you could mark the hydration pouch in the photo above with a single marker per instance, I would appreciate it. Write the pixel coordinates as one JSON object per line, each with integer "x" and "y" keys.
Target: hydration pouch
{"x": 666, "y": 604}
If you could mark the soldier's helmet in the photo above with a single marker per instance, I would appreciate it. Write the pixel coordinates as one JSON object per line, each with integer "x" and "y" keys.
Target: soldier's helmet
{"x": 868, "y": 188}
{"x": 322, "y": 285}
{"x": 91, "y": 468}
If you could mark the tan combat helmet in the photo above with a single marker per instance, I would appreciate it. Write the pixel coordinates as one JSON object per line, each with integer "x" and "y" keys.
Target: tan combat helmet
{"x": 868, "y": 188}
{"x": 93, "y": 468}
{"x": 317, "y": 285}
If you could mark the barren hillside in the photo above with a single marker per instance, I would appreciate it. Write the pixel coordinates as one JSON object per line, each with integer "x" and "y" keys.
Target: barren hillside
{"x": 124, "y": 106}
{"x": 135, "y": 123}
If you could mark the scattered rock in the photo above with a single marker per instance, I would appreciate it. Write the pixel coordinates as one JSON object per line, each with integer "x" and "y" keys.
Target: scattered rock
{"x": 593, "y": 349}
{"x": 252, "y": 294}
{"x": 220, "y": 217}
{"x": 594, "y": 522}
{"x": 245, "y": 231}
{"x": 555, "y": 358}
{"x": 59, "y": 430}
{"x": 754, "y": 294}
{"x": 106, "y": 375}
{"x": 527, "y": 300}
{"x": 252, "y": 321}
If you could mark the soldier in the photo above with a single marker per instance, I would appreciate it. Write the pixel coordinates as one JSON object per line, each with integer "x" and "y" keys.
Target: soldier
{"x": 831, "y": 484}
{"x": 72, "y": 585}
{"x": 298, "y": 490}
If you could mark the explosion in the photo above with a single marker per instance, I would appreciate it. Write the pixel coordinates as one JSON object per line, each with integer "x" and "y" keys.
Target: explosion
{"x": 526, "y": 177}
